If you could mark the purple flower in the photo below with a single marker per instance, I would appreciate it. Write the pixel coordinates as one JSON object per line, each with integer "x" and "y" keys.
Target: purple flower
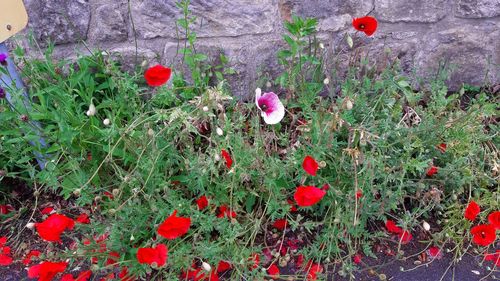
{"x": 3, "y": 58}
{"x": 271, "y": 108}
{"x": 2, "y": 93}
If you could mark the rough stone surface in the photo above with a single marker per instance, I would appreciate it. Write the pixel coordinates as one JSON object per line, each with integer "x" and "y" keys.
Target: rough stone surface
{"x": 60, "y": 21}
{"x": 421, "y": 35}
{"x": 157, "y": 18}
{"x": 109, "y": 22}
{"x": 468, "y": 50}
{"x": 477, "y": 8}
{"x": 411, "y": 10}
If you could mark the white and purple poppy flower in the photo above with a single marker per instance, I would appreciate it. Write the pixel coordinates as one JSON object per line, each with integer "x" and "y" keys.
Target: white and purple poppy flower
{"x": 271, "y": 108}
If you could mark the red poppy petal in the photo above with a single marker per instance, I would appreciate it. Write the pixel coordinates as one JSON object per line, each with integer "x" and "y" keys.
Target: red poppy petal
{"x": 310, "y": 165}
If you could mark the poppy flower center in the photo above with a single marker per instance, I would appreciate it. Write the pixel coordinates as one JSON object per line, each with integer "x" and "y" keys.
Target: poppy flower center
{"x": 264, "y": 107}
{"x": 362, "y": 26}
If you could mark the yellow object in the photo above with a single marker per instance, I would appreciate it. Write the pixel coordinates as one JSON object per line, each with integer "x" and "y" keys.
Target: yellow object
{"x": 13, "y": 18}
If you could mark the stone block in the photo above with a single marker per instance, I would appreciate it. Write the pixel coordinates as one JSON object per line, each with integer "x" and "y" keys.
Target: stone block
{"x": 109, "y": 23}
{"x": 425, "y": 11}
{"x": 59, "y": 21}
{"x": 477, "y": 8}
{"x": 215, "y": 18}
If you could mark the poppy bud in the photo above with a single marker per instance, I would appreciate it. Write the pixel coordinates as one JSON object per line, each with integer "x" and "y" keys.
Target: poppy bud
{"x": 151, "y": 132}
{"x": 326, "y": 81}
{"x": 426, "y": 226}
{"x": 112, "y": 211}
{"x": 322, "y": 164}
{"x": 144, "y": 64}
{"x": 106, "y": 122}
{"x": 115, "y": 192}
{"x": 30, "y": 225}
{"x": 97, "y": 198}
{"x": 36, "y": 193}
{"x": 92, "y": 110}
{"x": 217, "y": 158}
{"x": 132, "y": 238}
{"x": 205, "y": 108}
{"x": 321, "y": 45}
{"x": 206, "y": 266}
{"x": 258, "y": 92}
{"x": 268, "y": 84}
{"x": 348, "y": 104}
{"x": 219, "y": 131}
{"x": 77, "y": 192}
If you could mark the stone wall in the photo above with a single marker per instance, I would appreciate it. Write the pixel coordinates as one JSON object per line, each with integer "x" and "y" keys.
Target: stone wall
{"x": 421, "y": 34}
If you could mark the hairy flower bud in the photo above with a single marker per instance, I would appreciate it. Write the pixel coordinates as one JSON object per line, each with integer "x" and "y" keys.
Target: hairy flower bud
{"x": 426, "y": 226}
{"x": 206, "y": 266}
{"x": 106, "y": 122}
{"x": 205, "y": 108}
{"x": 92, "y": 110}
{"x": 219, "y": 131}
{"x": 30, "y": 225}
{"x": 348, "y": 104}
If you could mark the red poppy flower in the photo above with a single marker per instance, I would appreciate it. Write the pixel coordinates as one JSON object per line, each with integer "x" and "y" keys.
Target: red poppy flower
{"x": 255, "y": 258}
{"x": 157, "y": 75}
{"x": 113, "y": 258}
{"x": 124, "y": 275}
{"x": 83, "y": 219}
{"x": 84, "y": 276}
{"x": 52, "y": 228}
{"x": 306, "y": 196}
{"x": 5, "y": 209}
{"x": 174, "y": 226}
{"x": 434, "y": 252}
{"x": 432, "y": 171}
{"x": 273, "y": 271}
{"x": 299, "y": 261}
{"x": 223, "y": 266}
{"x": 280, "y": 224}
{"x": 495, "y": 257}
{"x": 194, "y": 273}
{"x": 293, "y": 208}
{"x": 359, "y": 193}
{"x": 405, "y": 237}
{"x": 314, "y": 269}
{"x": 392, "y": 227}
{"x": 368, "y": 25}
{"x": 356, "y": 259}
{"x": 158, "y": 255}
{"x": 46, "y": 271}
{"x": 472, "y": 211}
{"x": 224, "y": 211}
{"x": 227, "y": 158}
{"x": 109, "y": 195}
{"x": 310, "y": 165}
{"x": 483, "y": 235}
{"x": 31, "y": 254}
{"x": 442, "y": 147}
{"x": 494, "y": 219}
{"x": 5, "y": 258}
{"x": 202, "y": 202}
{"x": 47, "y": 210}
